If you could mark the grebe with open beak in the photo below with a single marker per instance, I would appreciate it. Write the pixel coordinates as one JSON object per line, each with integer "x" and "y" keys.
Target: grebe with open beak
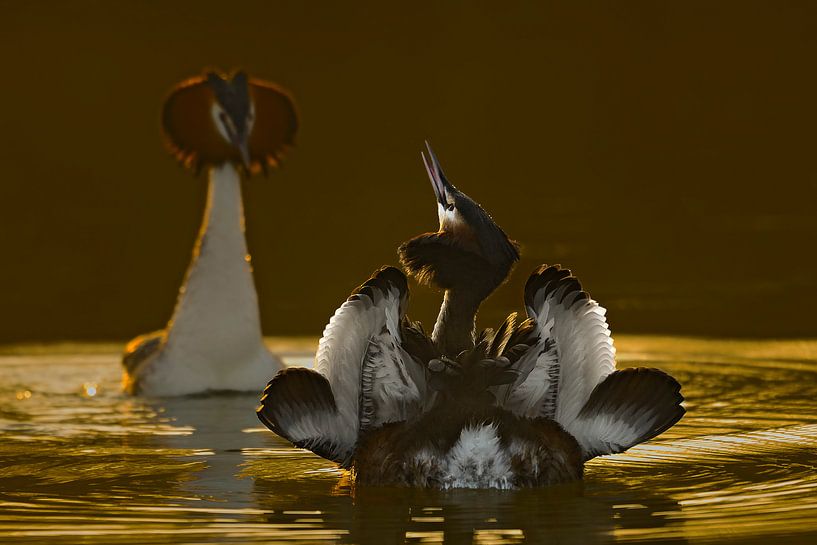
{"x": 525, "y": 405}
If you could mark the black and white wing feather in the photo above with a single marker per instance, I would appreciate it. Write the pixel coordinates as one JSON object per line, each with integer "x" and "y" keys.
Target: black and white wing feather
{"x": 570, "y": 376}
{"x": 363, "y": 377}
{"x": 298, "y": 404}
{"x": 628, "y": 407}
{"x": 574, "y": 353}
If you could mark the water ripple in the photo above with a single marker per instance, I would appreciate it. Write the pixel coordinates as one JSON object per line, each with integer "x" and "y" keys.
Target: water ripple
{"x": 80, "y": 461}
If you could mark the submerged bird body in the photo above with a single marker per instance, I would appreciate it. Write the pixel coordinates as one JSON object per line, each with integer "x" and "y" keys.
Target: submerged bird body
{"x": 524, "y": 405}
{"x": 214, "y": 341}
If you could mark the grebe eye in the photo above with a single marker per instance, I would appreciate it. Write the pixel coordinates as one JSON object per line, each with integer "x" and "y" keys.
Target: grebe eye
{"x": 450, "y": 207}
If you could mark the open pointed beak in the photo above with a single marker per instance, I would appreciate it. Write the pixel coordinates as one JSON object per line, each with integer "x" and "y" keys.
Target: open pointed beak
{"x": 435, "y": 174}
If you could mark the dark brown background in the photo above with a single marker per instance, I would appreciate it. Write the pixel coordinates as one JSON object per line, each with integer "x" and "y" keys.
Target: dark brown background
{"x": 663, "y": 150}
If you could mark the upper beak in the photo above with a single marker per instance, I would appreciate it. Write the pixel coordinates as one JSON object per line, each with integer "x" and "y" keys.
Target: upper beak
{"x": 435, "y": 174}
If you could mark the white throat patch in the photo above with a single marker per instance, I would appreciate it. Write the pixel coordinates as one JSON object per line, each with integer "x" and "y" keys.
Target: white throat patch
{"x": 216, "y": 113}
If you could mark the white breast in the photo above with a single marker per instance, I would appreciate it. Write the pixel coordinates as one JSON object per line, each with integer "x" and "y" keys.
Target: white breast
{"x": 214, "y": 339}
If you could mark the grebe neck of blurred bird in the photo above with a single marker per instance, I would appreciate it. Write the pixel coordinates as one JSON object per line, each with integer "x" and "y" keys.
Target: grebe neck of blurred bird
{"x": 218, "y": 304}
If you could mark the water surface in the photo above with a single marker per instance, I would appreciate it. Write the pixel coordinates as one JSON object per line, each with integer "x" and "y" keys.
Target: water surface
{"x": 80, "y": 462}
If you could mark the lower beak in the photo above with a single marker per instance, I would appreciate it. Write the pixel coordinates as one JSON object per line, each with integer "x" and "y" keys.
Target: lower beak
{"x": 243, "y": 149}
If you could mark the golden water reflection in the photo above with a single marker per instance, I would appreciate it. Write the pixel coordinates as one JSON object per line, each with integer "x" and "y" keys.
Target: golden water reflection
{"x": 104, "y": 468}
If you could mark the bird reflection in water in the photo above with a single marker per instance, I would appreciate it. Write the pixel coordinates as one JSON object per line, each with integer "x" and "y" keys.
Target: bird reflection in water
{"x": 580, "y": 513}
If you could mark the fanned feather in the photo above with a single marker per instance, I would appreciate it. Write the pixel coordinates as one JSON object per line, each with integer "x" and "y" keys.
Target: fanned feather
{"x": 372, "y": 380}
{"x": 570, "y": 375}
{"x": 629, "y": 407}
{"x": 574, "y": 353}
{"x": 299, "y": 406}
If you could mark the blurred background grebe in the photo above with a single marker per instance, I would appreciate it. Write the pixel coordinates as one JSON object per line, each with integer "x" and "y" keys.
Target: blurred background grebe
{"x": 664, "y": 152}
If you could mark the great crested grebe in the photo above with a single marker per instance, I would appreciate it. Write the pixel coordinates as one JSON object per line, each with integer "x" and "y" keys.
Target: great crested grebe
{"x": 230, "y": 126}
{"x": 525, "y": 405}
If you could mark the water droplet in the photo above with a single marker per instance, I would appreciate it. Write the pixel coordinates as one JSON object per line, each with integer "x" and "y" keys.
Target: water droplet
{"x": 89, "y": 389}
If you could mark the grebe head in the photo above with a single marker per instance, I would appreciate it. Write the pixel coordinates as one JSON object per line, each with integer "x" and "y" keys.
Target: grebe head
{"x": 214, "y": 119}
{"x": 469, "y": 248}
{"x": 233, "y": 111}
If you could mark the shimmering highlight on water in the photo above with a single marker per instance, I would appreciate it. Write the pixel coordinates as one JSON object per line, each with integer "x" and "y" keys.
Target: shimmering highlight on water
{"x": 81, "y": 461}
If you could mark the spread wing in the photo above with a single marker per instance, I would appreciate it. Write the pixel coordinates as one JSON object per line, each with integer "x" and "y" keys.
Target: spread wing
{"x": 574, "y": 351}
{"x": 627, "y": 408}
{"x": 570, "y": 376}
{"x": 363, "y": 376}
{"x": 141, "y": 348}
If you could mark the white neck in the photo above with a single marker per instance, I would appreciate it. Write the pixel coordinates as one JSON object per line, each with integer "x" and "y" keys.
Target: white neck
{"x": 217, "y": 310}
